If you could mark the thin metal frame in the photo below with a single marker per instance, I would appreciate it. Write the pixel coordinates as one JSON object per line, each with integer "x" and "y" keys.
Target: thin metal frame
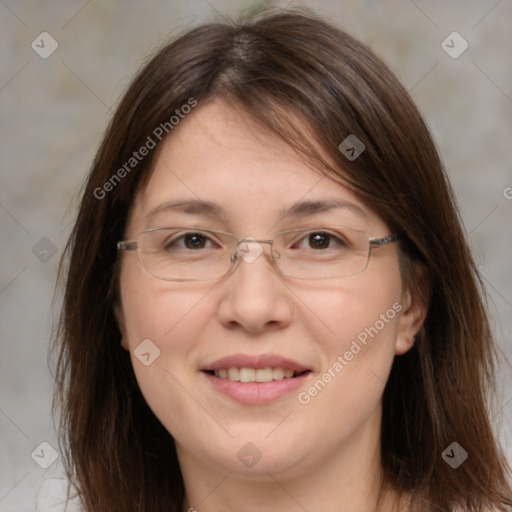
{"x": 374, "y": 242}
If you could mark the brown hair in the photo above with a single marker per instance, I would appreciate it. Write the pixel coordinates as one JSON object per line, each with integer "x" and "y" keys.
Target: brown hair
{"x": 274, "y": 67}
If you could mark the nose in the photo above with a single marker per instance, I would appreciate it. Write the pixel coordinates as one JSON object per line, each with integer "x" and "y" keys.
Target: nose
{"x": 254, "y": 296}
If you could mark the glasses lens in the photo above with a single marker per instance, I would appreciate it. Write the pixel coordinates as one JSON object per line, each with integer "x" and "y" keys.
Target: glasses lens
{"x": 322, "y": 253}
{"x": 185, "y": 253}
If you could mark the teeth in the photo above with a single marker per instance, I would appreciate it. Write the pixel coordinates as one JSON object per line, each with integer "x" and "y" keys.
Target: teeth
{"x": 253, "y": 374}
{"x": 277, "y": 373}
{"x": 264, "y": 375}
{"x": 233, "y": 374}
{"x": 247, "y": 375}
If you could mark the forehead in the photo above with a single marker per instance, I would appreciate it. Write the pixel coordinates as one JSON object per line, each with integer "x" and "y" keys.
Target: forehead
{"x": 220, "y": 156}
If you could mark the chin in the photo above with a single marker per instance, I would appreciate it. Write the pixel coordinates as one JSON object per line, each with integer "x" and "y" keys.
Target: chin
{"x": 255, "y": 456}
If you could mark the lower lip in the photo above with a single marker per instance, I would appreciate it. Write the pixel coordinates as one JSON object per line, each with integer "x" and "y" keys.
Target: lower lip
{"x": 256, "y": 392}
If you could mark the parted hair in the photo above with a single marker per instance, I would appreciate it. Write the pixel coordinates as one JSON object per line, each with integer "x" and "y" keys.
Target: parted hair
{"x": 275, "y": 67}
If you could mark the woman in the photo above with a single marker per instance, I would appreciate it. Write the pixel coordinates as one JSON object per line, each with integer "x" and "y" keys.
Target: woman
{"x": 270, "y": 302}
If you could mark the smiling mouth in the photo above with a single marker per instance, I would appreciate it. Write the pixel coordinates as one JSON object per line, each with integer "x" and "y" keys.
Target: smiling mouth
{"x": 251, "y": 375}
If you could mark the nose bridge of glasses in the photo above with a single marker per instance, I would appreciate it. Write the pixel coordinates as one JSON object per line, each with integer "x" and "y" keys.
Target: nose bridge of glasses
{"x": 249, "y": 249}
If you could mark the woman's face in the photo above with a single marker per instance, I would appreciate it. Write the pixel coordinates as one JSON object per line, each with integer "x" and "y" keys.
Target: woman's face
{"x": 344, "y": 331}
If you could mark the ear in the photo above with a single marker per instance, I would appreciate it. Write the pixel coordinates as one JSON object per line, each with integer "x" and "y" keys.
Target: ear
{"x": 414, "y": 311}
{"x": 119, "y": 316}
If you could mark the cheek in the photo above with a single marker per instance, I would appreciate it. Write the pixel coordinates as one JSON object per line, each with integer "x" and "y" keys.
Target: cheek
{"x": 160, "y": 313}
{"x": 357, "y": 328}
{"x": 162, "y": 326}
{"x": 364, "y": 307}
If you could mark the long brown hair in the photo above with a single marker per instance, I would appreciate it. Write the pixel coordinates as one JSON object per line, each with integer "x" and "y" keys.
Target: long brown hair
{"x": 277, "y": 66}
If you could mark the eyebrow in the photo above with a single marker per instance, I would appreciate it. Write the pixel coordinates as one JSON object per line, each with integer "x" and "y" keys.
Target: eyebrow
{"x": 300, "y": 209}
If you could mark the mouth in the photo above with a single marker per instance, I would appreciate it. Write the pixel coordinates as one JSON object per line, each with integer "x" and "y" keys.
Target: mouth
{"x": 255, "y": 379}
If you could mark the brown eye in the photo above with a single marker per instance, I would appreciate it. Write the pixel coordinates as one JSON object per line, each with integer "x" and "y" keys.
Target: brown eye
{"x": 319, "y": 240}
{"x": 192, "y": 241}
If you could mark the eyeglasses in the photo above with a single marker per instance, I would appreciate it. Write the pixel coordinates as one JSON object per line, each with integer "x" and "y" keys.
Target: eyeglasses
{"x": 199, "y": 254}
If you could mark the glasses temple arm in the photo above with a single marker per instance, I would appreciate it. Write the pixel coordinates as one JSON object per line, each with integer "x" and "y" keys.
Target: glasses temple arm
{"x": 127, "y": 246}
{"x": 377, "y": 242}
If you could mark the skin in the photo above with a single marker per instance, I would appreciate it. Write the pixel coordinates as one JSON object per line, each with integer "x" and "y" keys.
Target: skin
{"x": 323, "y": 456}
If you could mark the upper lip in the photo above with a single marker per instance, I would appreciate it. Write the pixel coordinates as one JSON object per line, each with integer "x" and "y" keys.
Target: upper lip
{"x": 257, "y": 362}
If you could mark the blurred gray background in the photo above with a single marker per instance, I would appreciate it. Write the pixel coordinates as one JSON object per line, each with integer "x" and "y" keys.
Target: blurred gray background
{"x": 55, "y": 109}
